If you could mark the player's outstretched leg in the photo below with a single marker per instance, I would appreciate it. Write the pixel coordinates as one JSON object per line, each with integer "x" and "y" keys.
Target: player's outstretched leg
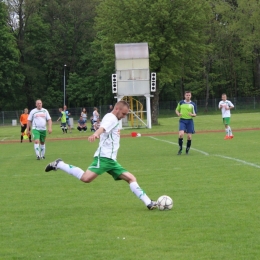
{"x": 53, "y": 165}
{"x": 68, "y": 168}
{"x": 137, "y": 190}
{"x": 152, "y": 205}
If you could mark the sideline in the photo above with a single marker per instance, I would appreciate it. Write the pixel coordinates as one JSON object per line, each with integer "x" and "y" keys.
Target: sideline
{"x": 207, "y": 154}
{"x": 178, "y": 144}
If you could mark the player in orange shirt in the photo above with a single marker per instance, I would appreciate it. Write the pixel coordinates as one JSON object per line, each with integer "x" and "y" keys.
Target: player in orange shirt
{"x": 23, "y": 122}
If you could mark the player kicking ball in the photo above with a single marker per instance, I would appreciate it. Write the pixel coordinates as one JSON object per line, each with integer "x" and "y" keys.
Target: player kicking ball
{"x": 105, "y": 156}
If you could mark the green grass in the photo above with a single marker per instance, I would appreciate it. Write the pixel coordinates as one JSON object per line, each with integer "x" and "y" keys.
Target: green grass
{"x": 215, "y": 191}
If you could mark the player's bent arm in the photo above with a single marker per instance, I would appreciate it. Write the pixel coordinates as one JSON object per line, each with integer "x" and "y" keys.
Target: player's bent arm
{"x": 96, "y": 135}
{"x": 177, "y": 112}
{"x": 193, "y": 114}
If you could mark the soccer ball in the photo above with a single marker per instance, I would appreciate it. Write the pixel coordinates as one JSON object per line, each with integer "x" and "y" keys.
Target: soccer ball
{"x": 164, "y": 203}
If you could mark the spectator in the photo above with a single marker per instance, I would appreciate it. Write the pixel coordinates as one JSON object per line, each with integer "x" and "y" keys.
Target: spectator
{"x": 92, "y": 129}
{"x": 81, "y": 125}
{"x": 84, "y": 114}
{"x": 110, "y": 109}
{"x": 96, "y": 125}
{"x": 95, "y": 114}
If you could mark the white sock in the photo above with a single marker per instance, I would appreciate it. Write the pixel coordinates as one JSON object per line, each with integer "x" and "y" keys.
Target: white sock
{"x": 42, "y": 150}
{"x": 70, "y": 169}
{"x": 227, "y": 132}
{"x": 37, "y": 149}
{"x": 139, "y": 193}
{"x": 230, "y": 131}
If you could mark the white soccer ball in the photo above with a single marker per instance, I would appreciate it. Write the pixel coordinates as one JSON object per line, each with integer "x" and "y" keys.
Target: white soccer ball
{"x": 164, "y": 203}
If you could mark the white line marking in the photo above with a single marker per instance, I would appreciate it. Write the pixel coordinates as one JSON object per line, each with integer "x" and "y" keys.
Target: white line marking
{"x": 217, "y": 155}
{"x": 178, "y": 145}
{"x": 238, "y": 160}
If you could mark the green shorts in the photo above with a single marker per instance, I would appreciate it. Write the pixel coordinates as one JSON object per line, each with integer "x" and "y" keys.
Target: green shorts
{"x": 102, "y": 164}
{"x": 39, "y": 135}
{"x": 226, "y": 120}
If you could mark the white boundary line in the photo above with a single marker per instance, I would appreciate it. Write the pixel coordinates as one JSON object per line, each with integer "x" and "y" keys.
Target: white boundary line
{"x": 178, "y": 144}
{"x": 207, "y": 154}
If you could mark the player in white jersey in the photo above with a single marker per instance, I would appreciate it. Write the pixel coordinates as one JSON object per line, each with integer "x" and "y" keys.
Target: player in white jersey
{"x": 37, "y": 121}
{"x": 105, "y": 156}
{"x": 225, "y": 106}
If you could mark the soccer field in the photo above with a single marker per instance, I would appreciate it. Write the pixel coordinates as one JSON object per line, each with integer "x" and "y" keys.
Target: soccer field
{"x": 215, "y": 191}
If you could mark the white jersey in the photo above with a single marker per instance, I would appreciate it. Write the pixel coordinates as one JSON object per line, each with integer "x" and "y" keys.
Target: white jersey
{"x": 109, "y": 140}
{"x": 227, "y": 104}
{"x": 39, "y": 118}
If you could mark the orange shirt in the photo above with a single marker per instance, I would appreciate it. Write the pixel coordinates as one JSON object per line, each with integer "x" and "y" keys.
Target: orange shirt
{"x": 24, "y": 118}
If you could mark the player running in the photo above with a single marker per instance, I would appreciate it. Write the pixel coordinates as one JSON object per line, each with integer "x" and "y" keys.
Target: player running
{"x": 37, "y": 121}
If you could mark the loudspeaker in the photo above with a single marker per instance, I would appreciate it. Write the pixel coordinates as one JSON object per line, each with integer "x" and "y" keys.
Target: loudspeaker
{"x": 153, "y": 82}
{"x": 114, "y": 83}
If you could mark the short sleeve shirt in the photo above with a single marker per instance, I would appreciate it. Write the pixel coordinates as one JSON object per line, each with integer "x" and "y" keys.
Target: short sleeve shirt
{"x": 185, "y": 108}
{"x": 81, "y": 122}
{"x": 225, "y": 112}
{"x": 110, "y": 139}
{"x": 39, "y": 118}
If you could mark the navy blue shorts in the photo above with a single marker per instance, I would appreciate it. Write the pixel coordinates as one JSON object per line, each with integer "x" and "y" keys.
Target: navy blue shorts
{"x": 187, "y": 126}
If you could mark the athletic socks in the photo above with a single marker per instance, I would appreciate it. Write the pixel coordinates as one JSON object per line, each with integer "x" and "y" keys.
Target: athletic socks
{"x": 229, "y": 131}
{"x": 37, "y": 149}
{"x": 42, "y": 150}
{"x": 70, "y": 169}
{"x": 180, "y": 143}
{"x": 139, "y": 193}
{"x": 188, "y": 146}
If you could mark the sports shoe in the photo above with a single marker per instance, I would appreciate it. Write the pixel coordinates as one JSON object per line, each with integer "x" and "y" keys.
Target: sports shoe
{"x": 53, "y": 165}
{"x": 152, "y": 205}
{"x": 187, "y": 152}
{"x": 226, "y": 137}
{"x": 38, "y": 158}
{"x": 43, "y": 157}
{"x": 231, "y": 136}
{"x": 179, "y": 152}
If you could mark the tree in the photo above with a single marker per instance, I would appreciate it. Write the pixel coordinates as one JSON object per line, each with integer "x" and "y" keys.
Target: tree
{"x": 173, "y": 30}
{"x": 9, "y": 57}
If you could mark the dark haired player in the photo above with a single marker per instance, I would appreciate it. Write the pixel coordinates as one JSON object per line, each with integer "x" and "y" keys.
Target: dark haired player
{"x": 186, "y": 110}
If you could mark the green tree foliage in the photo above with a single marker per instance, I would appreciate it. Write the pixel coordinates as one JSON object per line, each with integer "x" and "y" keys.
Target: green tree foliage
{"x": 10, "y": 80}
{"x": 174, "y": 31}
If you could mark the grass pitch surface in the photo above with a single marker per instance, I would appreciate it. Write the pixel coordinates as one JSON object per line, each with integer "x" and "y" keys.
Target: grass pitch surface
{"x": 215, "y": 191}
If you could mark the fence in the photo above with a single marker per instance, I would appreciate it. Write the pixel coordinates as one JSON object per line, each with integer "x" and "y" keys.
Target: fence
{"x": 13, "y": 117}
{"x": 164, "y": 109}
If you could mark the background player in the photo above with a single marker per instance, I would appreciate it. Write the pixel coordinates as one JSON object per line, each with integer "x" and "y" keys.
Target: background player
{"x": 186, "y": 110}
{"x": 225, "y": 106}
{"x": 63, "y": 121}
{"x": 23, "y": 122}
{"x": 37, "y": 119}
